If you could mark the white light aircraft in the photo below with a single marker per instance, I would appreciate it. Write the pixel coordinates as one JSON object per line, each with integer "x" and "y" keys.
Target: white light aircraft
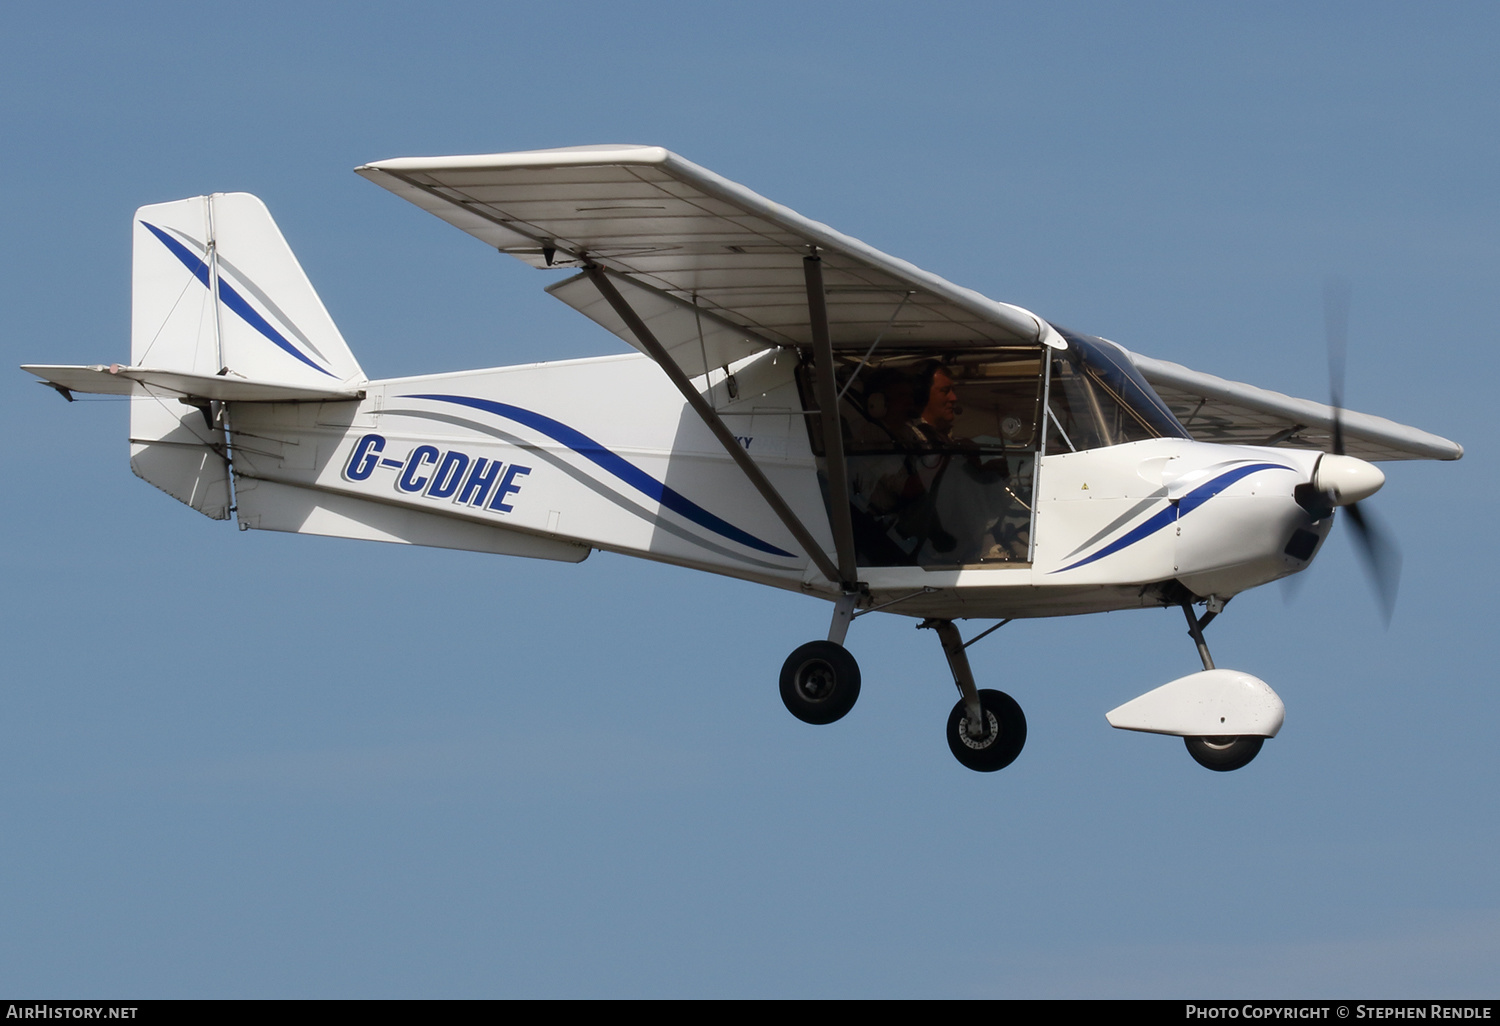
{"x": 803, "y": 411}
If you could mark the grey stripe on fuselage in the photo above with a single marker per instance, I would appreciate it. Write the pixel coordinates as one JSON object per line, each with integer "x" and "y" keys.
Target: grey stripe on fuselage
{"x": 584, "y": 479}
{"x": 1121, "y": 520}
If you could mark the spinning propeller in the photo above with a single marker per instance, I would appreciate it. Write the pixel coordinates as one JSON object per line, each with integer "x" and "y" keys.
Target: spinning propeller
{"x": 1341, "y": 480}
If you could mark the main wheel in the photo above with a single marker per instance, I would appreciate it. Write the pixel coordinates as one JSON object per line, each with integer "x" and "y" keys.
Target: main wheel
{"x": 820, "y": 682}
{"x": 1004, "y": 735}
{"x": 1224, "y": 753}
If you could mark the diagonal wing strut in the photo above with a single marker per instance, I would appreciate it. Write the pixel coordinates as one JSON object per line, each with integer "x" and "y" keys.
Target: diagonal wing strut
{"x": 705, "y": 412}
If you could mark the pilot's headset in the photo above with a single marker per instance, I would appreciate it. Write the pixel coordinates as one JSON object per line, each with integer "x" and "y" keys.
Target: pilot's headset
{"x": 923, "y": 381}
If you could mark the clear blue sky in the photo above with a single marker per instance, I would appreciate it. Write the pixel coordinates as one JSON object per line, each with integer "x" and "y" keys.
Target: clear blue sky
{"x": 265, "y": 765}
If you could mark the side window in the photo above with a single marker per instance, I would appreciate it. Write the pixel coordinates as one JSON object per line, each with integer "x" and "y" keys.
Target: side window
{"x": 940, "y": 450}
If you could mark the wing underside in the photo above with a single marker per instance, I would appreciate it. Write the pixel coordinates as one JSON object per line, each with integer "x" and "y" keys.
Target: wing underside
{"x": 1214, "y": 409}
{"x": 716, "y": 271}
{"x": 644, "y": 213}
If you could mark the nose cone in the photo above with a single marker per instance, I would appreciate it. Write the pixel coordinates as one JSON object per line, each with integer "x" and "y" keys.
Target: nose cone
{"x": 1345, "y": 479}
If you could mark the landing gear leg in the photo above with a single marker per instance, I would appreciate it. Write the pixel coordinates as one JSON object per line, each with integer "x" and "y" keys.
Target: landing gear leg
{"x": 843, "y": 615}
{"x": 1219, "y": 753}
{"x": 986, "y": 729}
{"x": 1195, "y": 629}
{"x": 820, "y": 680}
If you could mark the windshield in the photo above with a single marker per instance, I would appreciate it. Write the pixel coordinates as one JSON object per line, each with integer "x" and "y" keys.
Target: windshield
{"x": 1098, "y": 398}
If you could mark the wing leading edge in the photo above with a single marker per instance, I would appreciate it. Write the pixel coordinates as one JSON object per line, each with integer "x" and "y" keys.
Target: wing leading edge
{"x": 1218, "y": 410}
{"x": 716, "y": 270}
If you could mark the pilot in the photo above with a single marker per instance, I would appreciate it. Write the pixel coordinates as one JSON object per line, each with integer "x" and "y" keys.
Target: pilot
{"x": 966, "y": 496}
{"x": 884, "y": 481}
{"x": 940, "y": 405}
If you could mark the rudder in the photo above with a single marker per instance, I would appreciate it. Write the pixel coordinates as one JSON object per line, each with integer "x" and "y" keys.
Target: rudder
{"x": 217, "y": 291}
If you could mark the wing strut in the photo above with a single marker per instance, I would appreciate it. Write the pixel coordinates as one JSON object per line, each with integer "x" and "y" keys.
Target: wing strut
{"x": 833, "y": 429}
{"x": 736, "y": 451}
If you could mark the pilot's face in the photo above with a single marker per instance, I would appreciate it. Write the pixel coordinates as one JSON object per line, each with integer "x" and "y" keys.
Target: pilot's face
{"x": 942, "y": 402}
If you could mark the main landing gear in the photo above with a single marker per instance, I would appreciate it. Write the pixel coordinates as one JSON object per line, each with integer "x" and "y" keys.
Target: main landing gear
{"x": 820, "y": 684}
{"x": 820, "y": 680}
{"x": 986, "y": 729}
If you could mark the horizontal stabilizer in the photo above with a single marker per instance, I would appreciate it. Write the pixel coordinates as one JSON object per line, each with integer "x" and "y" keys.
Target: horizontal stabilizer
{"x": 115, "y": 379}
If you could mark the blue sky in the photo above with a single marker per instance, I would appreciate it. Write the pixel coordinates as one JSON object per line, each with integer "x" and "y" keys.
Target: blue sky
{"x": 245, "y": 764}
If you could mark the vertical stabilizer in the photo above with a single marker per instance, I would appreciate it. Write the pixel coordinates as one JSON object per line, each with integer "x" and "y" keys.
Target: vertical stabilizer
{"x": 217, "y": 291}
{"x": 268, "y": 325}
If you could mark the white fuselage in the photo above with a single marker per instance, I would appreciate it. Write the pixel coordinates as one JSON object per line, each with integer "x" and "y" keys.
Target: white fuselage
{"x": 554, "y": 459}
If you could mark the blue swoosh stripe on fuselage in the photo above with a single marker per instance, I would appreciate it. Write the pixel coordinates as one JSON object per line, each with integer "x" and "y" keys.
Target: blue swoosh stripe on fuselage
{"x": 230, "y": 297}
{"x": 1174, "y": 511}
{"x": 615, "y": 464}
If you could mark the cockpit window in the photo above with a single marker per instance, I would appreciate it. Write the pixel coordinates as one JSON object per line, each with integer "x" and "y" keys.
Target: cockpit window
{"x": 941, "y": 445}
{"x": 984, "y": 400}
{"x": 940, "y": 452}
{"x": 1098, "y": 398}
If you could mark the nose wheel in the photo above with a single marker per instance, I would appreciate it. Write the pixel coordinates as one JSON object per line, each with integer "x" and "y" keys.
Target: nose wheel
{"x": 1223, "y": 753}
{"x": 1216, "y": 752}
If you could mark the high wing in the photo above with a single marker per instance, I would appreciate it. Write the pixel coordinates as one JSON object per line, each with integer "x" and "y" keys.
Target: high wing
{"x": 694, "y": 253}
{"x": 1217, "y": 410}
{"x": 715, "y": 271}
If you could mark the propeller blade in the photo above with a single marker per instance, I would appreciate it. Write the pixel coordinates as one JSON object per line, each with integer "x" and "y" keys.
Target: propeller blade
{"x": 1381, "y": 556}
{"x": 1336, "y": 325}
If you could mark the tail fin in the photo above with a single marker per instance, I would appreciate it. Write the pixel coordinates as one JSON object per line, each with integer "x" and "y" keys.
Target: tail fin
{"x": 216, "y": 291}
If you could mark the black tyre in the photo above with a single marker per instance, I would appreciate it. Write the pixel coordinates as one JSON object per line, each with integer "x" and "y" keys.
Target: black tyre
{"x": 1224, "y": 753}
{"x": 820, "y": 682}
{"x": 1004, "y": 737}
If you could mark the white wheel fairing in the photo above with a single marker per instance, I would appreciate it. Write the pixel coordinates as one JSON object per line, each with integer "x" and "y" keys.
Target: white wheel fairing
{"x": 1210, "y": 703}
